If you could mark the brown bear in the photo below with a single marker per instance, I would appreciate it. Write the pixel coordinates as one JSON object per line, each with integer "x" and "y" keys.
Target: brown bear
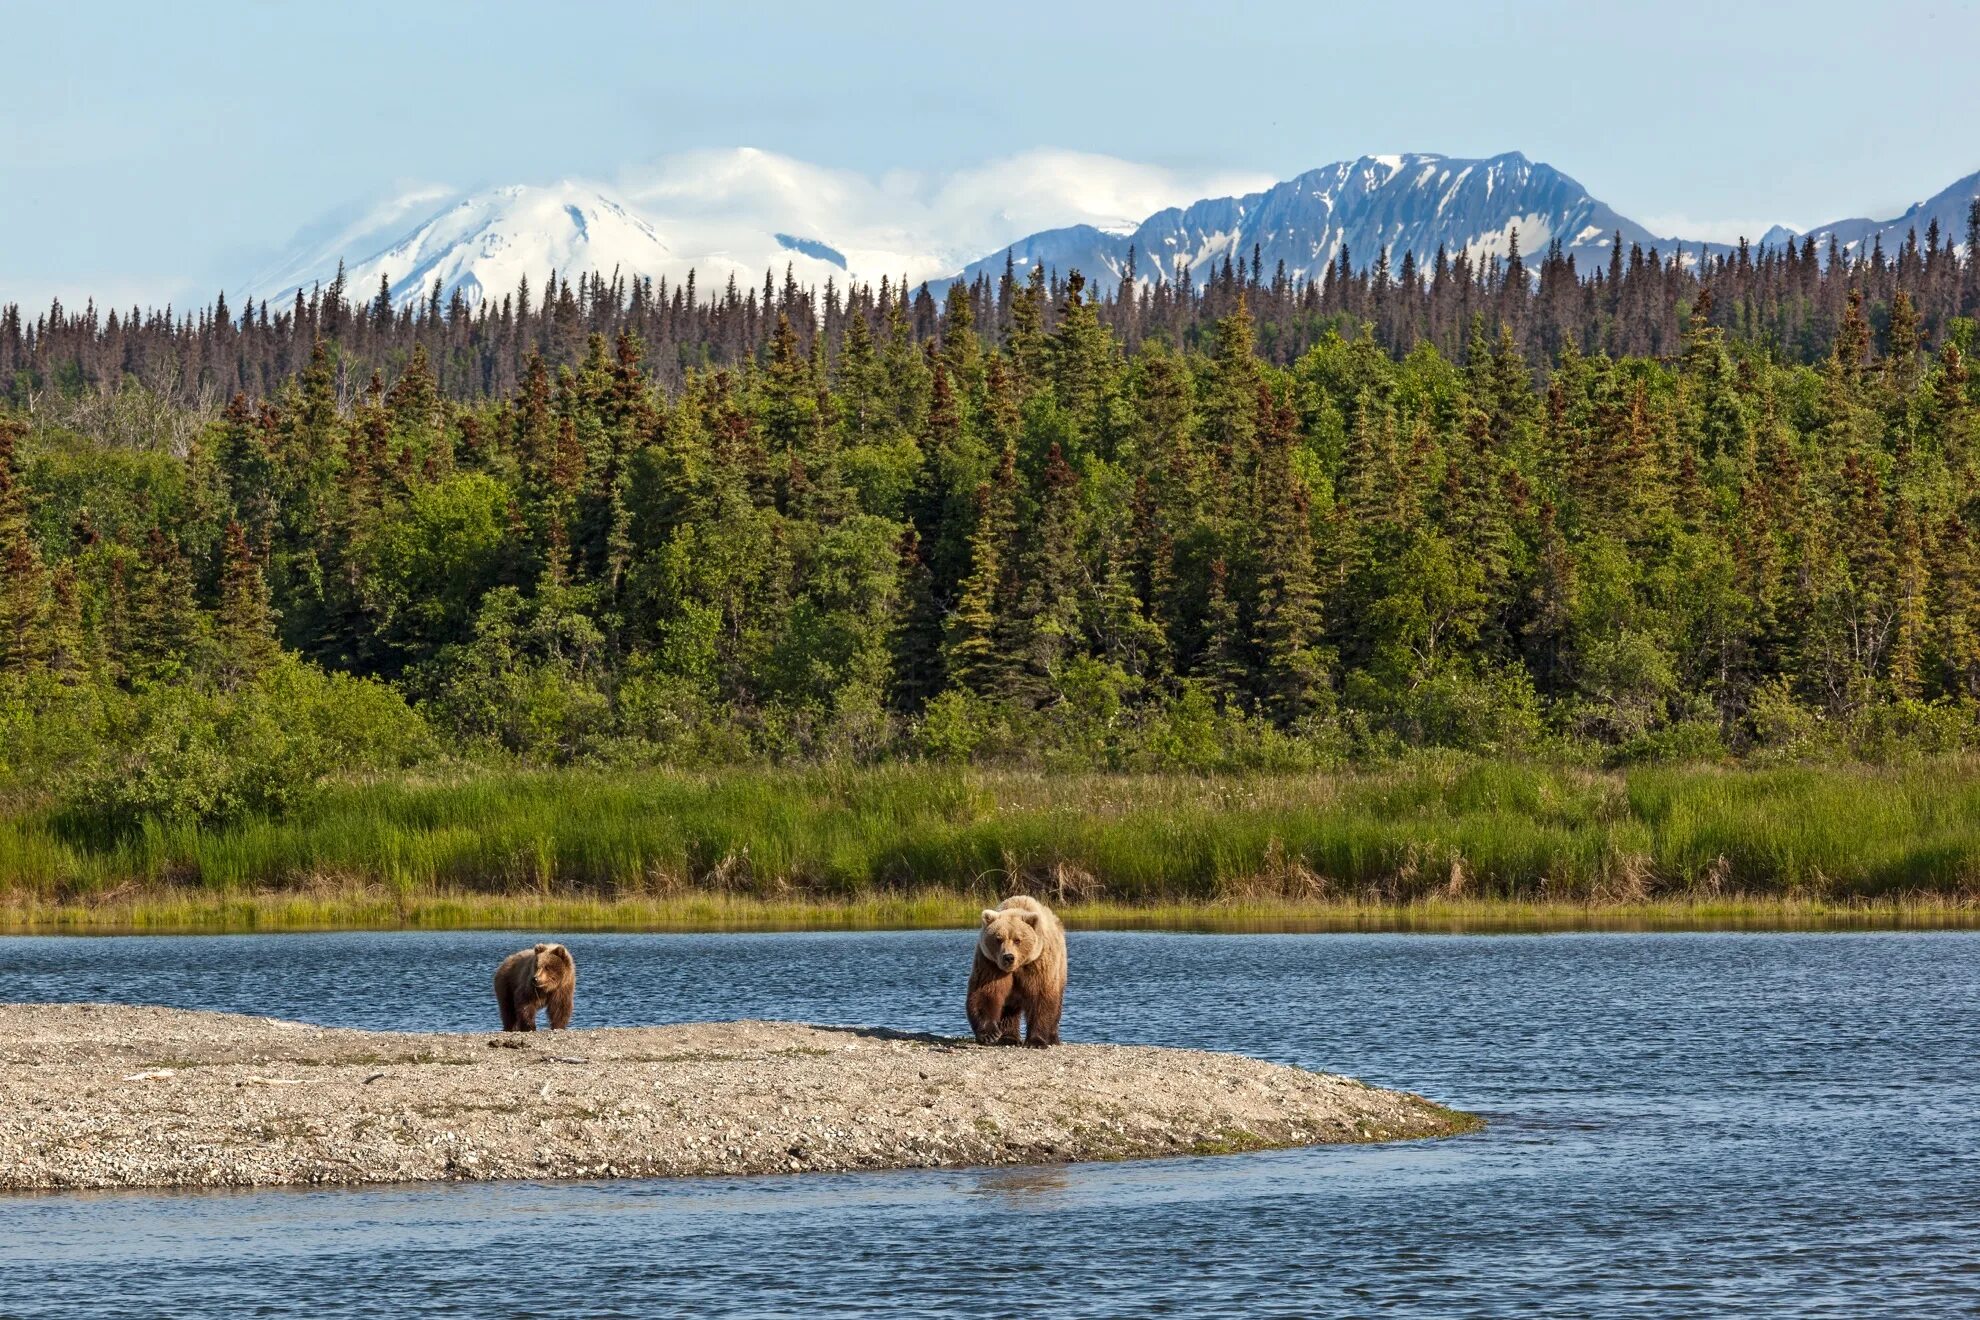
{"x": 533, "y": 979}
{"x": 1020, "y": 970}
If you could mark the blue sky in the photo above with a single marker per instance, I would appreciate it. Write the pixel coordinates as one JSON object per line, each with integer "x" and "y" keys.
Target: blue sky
{"x": 152, "y": 151}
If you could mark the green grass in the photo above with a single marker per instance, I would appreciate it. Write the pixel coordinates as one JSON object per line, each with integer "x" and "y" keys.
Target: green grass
{"x": 1453, "y": 843}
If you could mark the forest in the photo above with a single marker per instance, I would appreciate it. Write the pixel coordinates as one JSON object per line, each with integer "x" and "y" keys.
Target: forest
{"x": 1675, "y": 513}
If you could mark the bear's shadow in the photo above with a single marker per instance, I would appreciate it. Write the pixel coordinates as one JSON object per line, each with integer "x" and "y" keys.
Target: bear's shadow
{"x": 888, "y": 1033}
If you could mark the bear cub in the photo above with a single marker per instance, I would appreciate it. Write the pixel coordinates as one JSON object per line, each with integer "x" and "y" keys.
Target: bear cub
{"x": 532, "y": 980}
{"x": 1020, "y": 971}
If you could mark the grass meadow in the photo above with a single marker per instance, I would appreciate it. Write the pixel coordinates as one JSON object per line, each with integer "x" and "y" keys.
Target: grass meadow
{"x": 1434, "y": 844}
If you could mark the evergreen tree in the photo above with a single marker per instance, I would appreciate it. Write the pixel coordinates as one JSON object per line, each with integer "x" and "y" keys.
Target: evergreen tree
{"x": 1050, "y": 606}
{"x": 1293, "y": 678}
{"x": 245, "y": 624}
{"x": 165, "y": 633}
{"x": 980, "y": 656}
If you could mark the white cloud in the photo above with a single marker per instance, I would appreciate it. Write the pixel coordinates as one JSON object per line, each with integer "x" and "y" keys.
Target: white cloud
{"x": 922, "y": 224}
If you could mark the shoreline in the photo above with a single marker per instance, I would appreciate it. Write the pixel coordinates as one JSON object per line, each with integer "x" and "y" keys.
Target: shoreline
{"x": 105, "y": 1096}
{"x": 189, "y": 911}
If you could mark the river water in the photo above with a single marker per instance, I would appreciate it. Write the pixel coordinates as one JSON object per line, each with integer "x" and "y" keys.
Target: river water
{"x": 1749, "y": 1125}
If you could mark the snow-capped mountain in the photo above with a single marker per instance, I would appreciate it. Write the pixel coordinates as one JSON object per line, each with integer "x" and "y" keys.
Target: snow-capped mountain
{"x": 1408, "y": 203}
{"x": 487, "y": 243}
{"x": 739, "y": 214}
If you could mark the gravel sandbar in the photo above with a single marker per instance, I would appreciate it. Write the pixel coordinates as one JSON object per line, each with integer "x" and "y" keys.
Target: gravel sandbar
{"x": 105, "y": 1095}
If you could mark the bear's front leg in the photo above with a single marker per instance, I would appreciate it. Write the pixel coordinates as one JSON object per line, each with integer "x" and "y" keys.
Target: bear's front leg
{"x": 987, "y": 1018}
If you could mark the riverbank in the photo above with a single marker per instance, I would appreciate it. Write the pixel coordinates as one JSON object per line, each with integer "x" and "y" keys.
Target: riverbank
{"x": 107, "y": 1096}
{"x": 188, "y": 911}
{"x": 868, "y": 846}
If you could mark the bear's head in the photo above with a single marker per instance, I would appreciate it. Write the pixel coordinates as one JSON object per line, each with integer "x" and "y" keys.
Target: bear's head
{"x": 1010, "y": 937}
{"x": 554, "y": 968}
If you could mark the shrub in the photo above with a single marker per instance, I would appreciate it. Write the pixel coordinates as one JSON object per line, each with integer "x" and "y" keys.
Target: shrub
{"x": 1783, "y": 728}
{"x": 528, "y": 681}
{"x": 953, "y": 726}
{"x": 188, "y": 754}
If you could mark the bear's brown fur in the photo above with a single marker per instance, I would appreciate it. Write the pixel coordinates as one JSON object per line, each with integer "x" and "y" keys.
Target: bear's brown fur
{"x": 1020, "y": 970}
{"x": 532, "y": 980}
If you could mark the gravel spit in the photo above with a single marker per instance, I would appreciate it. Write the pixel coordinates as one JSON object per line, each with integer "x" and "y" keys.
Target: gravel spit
{"x": 109, "y": 1095}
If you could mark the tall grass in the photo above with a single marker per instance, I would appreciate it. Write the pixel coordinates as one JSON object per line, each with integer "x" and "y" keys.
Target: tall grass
{"x": 1438, "y": 830}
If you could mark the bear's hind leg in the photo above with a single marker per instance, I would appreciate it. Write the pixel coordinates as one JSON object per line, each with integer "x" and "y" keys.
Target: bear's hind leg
{"x": 1009, "y": 1030}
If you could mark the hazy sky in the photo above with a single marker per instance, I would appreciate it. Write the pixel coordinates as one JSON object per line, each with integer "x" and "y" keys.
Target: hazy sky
{"x": 152, "y": 151}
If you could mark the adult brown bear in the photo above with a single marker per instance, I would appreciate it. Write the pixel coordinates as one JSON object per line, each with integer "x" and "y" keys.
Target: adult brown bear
{"x": 1020, "y": 971}
{"x": 534, "y": 979}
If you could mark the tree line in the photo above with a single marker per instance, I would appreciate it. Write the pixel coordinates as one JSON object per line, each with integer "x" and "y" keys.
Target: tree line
{"x": 1025, "y": 534}
{"x": 1789, "y": 299}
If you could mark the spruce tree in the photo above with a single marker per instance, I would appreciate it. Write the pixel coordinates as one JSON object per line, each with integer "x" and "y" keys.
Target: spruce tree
{"x": 1287, "y": 634}
{"x": 245, "y": 623}
{"x": 69, "y": 655}
{"x": 1049, "y": 608}
{"x": 1079, "y": 354}
{"x": 1909, "y": 633}
{"x": 165, "y": 632}
{"x": 918, "y": 669}
{"x": 1224, "y": 666}
{"x": 974, "y": 656}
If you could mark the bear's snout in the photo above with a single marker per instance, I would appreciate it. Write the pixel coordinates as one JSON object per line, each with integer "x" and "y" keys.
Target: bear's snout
{"x": 1007, "y": 960}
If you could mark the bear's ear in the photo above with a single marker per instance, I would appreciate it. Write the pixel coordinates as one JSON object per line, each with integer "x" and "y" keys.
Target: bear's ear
{"x": 541, "y": 947}
{"x": 989, "y": 915}
{"x": 1032, "y": 917}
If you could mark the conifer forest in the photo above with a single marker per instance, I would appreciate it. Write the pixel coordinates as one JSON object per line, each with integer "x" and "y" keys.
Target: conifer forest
{"x": 1686, "y": 510}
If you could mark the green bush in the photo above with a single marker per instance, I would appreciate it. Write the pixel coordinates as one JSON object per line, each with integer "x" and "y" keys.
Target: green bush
{"x": 527, "y": 683}
{"x": 186, "y": 754}
{"x": 952, "y": 726}
{"x": 1486, "y": 709}
{"x": 48, "y": 727}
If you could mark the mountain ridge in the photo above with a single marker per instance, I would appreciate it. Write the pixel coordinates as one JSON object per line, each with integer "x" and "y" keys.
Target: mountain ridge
{"x": 1302, "y": 222}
